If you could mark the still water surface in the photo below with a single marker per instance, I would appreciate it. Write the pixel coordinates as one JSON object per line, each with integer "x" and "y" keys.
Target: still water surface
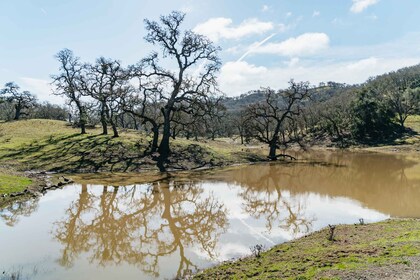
{"x": 169, "y": 228}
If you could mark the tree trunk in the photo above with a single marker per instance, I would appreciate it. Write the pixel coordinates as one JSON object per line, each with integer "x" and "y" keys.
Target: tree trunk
{"x": 17, "y": 113}
{"x": 401, "y": 120}
{"x": 115, "y": 130}
{"x": 114, "y": 127}
{"x": 83, "y": 128}
{"x": 273, "y": 149}
{"x": 155, "y": 130}
{"x": 82, "y": 117}
{"x": 164, "y": 149}
{"x": 103, "y": 119}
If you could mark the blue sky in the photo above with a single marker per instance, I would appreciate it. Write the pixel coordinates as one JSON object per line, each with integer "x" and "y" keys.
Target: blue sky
{"x": 264, "y": 43}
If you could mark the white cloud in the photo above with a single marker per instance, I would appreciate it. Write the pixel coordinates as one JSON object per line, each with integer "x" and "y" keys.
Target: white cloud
{"x": 240, "y": 77}
{"x": 359, "y": 6}
{"x": 42, "y": 89}
{"x": 288, "y": 14}
{"x": 236, "y": 77}
{"x": 344, "y": 64}
{"x": 218, "y": 28}
{"x": 293, "y": 62}
{"x": 265, "y": 8}
{"x": 316, "y": 13}
{"x": 363, "y": 64}
{"x": 303, "y": 45}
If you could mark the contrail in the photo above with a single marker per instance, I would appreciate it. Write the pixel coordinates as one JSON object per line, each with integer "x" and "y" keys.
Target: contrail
{"x": 255, "y": 47}
{"x": 255, "y": 232}
{"x": 200, "y": 67}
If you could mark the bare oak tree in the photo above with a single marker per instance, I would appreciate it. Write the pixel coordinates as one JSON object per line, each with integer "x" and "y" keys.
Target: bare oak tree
{"x": 21, "y": 100}
{"x": 194, "y": 63}
{"x": 67, "y": 83}
{"x": 276, "y": 115}
{"x": 144, "y": 104}
{"x": 106, "y": 81}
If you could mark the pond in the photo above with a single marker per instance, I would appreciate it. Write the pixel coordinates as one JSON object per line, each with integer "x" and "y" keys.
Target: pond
{"x": 171, "y": 227}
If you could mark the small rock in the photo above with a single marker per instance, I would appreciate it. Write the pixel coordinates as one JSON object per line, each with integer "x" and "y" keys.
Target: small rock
{"x": 36, "y": 194}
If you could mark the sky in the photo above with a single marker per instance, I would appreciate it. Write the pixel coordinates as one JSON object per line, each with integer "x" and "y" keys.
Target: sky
{"x": 264, "y": 43}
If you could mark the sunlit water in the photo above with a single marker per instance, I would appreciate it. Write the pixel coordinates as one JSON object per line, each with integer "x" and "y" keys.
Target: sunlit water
{"x": 169, "y": 228}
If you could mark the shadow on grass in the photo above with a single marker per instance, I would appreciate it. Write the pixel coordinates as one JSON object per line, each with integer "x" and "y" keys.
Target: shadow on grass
{"x": 79, "y": 153}
{"x": 397, "y": 137}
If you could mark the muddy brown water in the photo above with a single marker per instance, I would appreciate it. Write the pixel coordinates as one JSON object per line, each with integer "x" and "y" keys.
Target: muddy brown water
{"x": 172, "y": 227}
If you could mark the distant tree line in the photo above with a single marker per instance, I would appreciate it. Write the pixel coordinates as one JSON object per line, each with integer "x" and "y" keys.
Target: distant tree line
{"x": 16, "y": 104}
{"x": 373, "y": 112}
{"x": 173, "y": 92}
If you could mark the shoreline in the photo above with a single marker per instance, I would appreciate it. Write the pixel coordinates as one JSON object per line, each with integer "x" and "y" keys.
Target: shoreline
{"x": 381, "y": 250}
{"x": 45, "y": 180}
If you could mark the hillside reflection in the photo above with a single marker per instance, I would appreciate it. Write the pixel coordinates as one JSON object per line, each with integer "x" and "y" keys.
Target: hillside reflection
{"x": 124, "y": 224}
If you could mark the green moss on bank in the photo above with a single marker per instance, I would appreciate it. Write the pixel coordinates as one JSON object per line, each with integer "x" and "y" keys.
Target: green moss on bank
{"x": 356, "y": 248}
{"x": 11, "y": 183}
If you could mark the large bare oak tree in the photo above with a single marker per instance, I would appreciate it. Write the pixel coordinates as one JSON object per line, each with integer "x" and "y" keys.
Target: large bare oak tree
{"x": 182, "y": 72}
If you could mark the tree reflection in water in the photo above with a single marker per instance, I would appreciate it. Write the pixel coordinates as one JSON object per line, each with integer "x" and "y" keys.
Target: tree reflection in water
{"x": 11, "y": 214}
{"x": 265, "y": 199}
{"x": 129, "y": 224}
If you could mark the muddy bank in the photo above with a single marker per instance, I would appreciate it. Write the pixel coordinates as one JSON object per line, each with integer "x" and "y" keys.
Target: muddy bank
{"x": 42, "y": 182}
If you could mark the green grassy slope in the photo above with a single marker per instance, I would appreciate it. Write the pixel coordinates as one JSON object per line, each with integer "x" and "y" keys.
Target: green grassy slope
{"x": 55, "y": 146}
{"x": 356, "y": 249}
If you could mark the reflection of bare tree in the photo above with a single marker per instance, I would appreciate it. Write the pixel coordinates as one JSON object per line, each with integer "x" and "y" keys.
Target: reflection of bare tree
{"x": 287, "y": 212}
{"x": 136, "y": 226}
{"x": 263, "y": 198}
{"x": 73, "y": 228}
{"x": 14, "y": 211}
{"x": 296, "y": 220}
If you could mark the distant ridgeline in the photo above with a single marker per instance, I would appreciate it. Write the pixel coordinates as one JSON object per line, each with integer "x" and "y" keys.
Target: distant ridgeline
{"x": 321, "y": 92}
